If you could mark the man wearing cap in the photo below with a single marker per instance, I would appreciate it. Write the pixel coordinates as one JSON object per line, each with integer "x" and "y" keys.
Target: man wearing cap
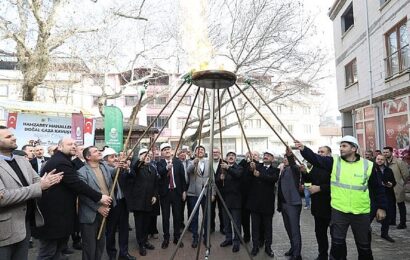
{"x": 353, "y": 182}
{"x": 198, "y": 173}
{"x": 172, "y": 188}
{"x": 118, "y": 217}
{"x": 228, "y": 177}
{"x": 261, "y": 201}
{"x": 141, "y": 192}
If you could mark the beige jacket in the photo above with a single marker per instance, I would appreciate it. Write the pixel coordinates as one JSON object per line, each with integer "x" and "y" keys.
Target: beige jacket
{"x": 12, "y": 206}
{"x": 401, "y": 174}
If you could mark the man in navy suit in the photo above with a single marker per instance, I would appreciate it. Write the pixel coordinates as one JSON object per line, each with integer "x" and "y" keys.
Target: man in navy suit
{"x": 172, "y": 187}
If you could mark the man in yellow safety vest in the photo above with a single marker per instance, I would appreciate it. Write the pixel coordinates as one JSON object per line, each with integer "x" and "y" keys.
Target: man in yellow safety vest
{"x": 353, "y": 186}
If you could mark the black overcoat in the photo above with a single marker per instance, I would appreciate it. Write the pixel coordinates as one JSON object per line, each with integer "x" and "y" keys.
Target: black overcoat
{"x": 231, "y": 186}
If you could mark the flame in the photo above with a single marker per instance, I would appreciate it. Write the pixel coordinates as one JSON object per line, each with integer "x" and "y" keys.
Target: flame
{"x": 195, "y": 38}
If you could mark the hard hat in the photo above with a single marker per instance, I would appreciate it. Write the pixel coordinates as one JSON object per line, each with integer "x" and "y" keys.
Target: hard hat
{"x": 142, "y": 151}
{"x": 164, "y": 145}
{"x": 269, "y": 152}
{"x": 108, "y": 151}
{"x": 349, "y": 139}
{"x": 231, "y": 151}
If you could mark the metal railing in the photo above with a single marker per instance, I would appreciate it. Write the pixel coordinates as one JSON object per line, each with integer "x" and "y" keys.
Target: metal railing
{"x": 398, "y": 61}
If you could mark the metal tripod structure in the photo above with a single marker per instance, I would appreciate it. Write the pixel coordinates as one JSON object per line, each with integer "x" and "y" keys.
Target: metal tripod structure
{"x": 213, "y": 80}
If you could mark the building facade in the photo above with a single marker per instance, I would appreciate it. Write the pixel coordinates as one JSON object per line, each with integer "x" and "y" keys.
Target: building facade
{"x": 371, "y": 40}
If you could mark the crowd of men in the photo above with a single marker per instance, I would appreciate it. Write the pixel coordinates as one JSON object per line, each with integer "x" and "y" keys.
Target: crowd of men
{"x": 72, "y": 192}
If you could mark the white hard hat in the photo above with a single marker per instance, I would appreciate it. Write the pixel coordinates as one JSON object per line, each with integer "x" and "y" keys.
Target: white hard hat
{"x": 349, "y": 139}
{"x": 108, "y": 151}
{"x": 185, "y": 147}
{"x": 164, "y": 145}
{"x": 142, "y": 151}
{"x": 231, "y": 151}
{"x": 269, "y": 152}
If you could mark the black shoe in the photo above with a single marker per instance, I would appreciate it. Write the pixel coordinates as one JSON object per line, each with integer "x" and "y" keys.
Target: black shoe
{"x": 67, "y": 251}
{"x": 255, "y": 251}
{"x": 143, "y": 251}
{"x": 269, "y": 251}
{"x": 165, "y": 244}
{"x": 149, "y": 246}
{"x": 127, "y": 257}
{"x": 235, "y": 248}
{"x": 194, "y": 243}
{"x": 226, "y": 243}
{"x": 77, "y": 246}
{"x": 401, "y": 226}
{"x": 388, "y": 238}
{"x": 176, "y": 242}
{"x": 289, "y": 252}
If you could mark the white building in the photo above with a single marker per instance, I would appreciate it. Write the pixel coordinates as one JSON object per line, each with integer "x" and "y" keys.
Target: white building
{"x": 371, "y": 40}
{"x": 80, "y": 88}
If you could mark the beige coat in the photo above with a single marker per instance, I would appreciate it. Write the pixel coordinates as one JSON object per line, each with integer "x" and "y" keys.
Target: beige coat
{"x": 401, "y": 174}
{"x": 12, "y": 206}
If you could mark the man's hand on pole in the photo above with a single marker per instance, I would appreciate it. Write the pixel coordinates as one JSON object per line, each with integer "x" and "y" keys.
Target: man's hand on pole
{"x": 106, "y": 200}
{"x": 299, "y": 145}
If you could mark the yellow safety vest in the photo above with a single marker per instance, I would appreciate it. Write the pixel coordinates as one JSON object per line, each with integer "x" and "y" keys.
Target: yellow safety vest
{"x": 348, "y": 185}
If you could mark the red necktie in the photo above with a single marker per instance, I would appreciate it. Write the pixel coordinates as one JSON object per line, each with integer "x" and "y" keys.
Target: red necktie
{"x": 171, "y": 179}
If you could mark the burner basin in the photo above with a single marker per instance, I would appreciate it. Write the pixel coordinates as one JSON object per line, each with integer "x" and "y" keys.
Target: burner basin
{"x": 213, "y": 79}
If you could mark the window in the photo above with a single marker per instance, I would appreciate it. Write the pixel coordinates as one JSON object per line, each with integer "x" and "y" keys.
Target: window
{"x": 130, "y": 100}
{"x": 253, "y": 123}
{"x": 181, "y": 123}
{"x": 290, "y": 128}
{"x": 307, "y": 129}
{"x": 306, "y": 110}
{"x": 95, "y": 101}
{"x": 347, "y": 18}
{"x": 159, "y": 123}
{"x": 4, "y": 91}
{"x": 160, "y": 101}
{"x": 351, "y": 73}
{"x": 397, "y": 49}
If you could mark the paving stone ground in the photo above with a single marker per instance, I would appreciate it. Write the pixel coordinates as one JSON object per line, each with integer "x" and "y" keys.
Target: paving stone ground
{"x": 381, "y": 248}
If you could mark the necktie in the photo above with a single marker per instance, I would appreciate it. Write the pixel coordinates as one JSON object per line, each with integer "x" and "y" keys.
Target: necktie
{"x": 171, "y": 179}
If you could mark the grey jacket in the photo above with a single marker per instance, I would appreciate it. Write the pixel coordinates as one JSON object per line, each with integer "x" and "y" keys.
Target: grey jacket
{"x": 12, "y": 208}
{"x": 197, "y": 180}
{"x": 87, "y": 208}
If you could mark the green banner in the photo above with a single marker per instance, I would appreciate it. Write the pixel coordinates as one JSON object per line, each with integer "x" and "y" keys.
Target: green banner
{"x": 113, "y": 128}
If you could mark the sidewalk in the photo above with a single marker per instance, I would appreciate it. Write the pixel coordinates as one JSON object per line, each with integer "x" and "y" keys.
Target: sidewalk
{"x": 381, "y": 248}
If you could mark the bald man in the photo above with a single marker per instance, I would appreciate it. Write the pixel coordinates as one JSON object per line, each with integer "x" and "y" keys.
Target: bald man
{"x": 59, "y": 204}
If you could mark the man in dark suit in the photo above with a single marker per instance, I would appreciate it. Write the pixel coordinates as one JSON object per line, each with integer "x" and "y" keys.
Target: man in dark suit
{"x": 228, "y": 177}
{"x": 320, "y": 195}
{"x": 39, "y": 159}
{"x": 261, "y": 201}
{"x": 58, "y": 205}
{"x": 19, "y": 187}
{"x": 172, "y": 188}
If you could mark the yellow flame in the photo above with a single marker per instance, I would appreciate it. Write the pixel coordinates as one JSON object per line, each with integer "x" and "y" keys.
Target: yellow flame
{"x": 195, "y": 37}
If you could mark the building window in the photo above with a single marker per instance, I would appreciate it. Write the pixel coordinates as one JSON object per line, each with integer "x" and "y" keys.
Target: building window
{"x": 159, "y": 123}
{"x": 397, "y": 49}
{"x": 160, "y": 101}
{"x": 306, "y": 110}
{"x": 131, "y": 100}
{"x": 351, "y": 73}
{"x": 181, "y": 123}
{"x": 290, "y": 129}
{"x": 4, "y": 91}
{"x": 253, "y": 123}
{"x": 307, "y": 129}
{"x": 347, "y": 18}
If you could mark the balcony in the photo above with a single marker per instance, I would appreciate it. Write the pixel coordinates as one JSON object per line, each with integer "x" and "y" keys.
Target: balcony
{"x": 398, "y": 62}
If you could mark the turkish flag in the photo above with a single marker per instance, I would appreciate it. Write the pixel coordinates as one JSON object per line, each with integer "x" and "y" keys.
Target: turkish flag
{"x": 88, "y": 125}
{"x": 12, "y": 120}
